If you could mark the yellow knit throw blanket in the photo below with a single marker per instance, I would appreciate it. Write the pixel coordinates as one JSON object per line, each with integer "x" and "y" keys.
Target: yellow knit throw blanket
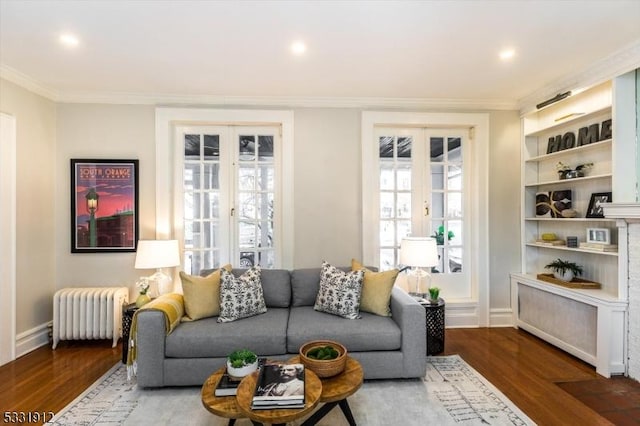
{"x": 172, "y": 305}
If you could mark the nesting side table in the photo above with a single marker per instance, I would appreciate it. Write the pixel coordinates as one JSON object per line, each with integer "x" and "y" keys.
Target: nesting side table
{"x": 434, "y": 316}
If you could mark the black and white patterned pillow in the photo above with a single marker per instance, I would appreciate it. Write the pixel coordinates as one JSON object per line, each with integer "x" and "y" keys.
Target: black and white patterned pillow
{"x": 241, "y": 297}
{"x": 339, "y": 292}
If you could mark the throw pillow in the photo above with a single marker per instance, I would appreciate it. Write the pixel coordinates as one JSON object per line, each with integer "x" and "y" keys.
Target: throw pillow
{"x": 376, "y": 289}
{"x": 201, "y": 295}
{"x": 241, "y": 297}
{"x": 339, "y": 292}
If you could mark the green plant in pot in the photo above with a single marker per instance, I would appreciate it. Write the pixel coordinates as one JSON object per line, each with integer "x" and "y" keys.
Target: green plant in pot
{"x": 434, "y": 294}
{"x": 564, "y": 270}
{"x": 241, "y": 363}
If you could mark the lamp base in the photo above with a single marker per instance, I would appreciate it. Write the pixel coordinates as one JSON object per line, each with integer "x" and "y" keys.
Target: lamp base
{"x": 163, "y": 282}
{"x": 421, "y": 282}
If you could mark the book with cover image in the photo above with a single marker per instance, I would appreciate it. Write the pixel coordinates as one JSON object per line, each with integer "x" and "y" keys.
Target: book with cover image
{"x": 279, "y": 386}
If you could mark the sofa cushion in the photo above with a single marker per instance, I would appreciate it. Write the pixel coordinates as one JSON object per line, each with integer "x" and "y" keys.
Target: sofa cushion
{"x": 201, "y": 294}
{"x": 264, "y": 334}
{"x": 305, "y": 284}
{"x": 275, "y": 284}
{"x": 339, "y": 292}
{"x": 376, "y": 289}
{"x": 241, "y": 297}
{"x": 369, "y": 333}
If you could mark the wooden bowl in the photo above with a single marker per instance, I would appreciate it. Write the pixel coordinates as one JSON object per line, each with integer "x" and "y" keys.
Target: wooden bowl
{"x": 327, "y": 367}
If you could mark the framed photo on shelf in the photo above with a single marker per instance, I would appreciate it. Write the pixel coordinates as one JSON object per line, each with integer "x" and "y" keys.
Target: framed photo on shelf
{"x": 598, "y": 235}
{"x": 595, "y": 204}
{"x": 104, "y": 205}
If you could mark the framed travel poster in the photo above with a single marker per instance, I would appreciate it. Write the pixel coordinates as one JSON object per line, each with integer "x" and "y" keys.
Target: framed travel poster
{"x": 104, "y": 205}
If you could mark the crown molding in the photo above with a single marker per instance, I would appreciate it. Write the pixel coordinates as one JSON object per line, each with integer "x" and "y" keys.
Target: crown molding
{"x": 27, "y": 82}
{"x": 288, "y": 101}
{"x": 620, "y": 62}
{"x": 120, "y": 98}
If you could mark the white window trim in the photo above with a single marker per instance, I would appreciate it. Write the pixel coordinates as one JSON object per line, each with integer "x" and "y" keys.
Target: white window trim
{"x": 8, "y": 156}
{"x": 478, "y": 123}
{"x": 168, "y": 118}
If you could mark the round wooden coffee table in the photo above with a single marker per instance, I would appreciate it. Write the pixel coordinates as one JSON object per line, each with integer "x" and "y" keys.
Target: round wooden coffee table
{"x": 223, "y": 406}
{"x": 244, "y": 398}
{"x": 336, "y": 390}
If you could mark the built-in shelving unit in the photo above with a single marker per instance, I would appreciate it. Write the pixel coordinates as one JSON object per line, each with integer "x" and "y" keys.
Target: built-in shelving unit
{"x": 586, "y": 323}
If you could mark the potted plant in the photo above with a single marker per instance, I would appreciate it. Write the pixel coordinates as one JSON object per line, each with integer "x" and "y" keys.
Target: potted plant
{"x": 564, "y": 270}
{"x": 143, "y": 289}
{"x": 241, "y": 363}
{"x": 434, "y": 293}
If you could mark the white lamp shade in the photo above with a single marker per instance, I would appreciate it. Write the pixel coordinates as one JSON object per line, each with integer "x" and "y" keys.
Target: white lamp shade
{"x": 418, "y": 252}
{"x": 153, "y": 254}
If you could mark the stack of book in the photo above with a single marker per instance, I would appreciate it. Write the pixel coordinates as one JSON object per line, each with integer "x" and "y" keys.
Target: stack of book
{"x": 279, "y": 386}
{"x": 227, "y": 386}
{"x": 599, "y": 246}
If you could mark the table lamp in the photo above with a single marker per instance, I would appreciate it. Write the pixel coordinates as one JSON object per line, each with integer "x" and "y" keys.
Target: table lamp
{"x": 157, "y": 254}
{"x": 418, "y": 253}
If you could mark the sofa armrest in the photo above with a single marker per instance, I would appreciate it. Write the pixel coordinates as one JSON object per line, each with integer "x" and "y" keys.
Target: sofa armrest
{"x": 410, "y": 317}
{"x": 151, "y": 348}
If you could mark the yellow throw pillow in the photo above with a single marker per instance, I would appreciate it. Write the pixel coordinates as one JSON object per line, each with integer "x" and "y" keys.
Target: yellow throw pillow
{"x": 376, "y": 289}
{"x": 201, "y": 294}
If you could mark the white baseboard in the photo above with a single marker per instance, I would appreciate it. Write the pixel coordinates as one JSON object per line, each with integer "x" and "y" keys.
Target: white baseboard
{"x": 465, "y": 315}
{"x": 32, "y": 339}
{"x": 501, "y": 317}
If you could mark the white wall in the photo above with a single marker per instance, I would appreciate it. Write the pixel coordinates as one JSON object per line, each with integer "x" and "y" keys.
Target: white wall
{"x": 634, "y": 301}
{"x": 35, "y": 200}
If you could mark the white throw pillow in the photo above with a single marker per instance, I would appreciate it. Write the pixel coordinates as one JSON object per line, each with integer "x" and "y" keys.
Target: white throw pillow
{"x": 241, "y": 297}
{"x": 339, "y": 292}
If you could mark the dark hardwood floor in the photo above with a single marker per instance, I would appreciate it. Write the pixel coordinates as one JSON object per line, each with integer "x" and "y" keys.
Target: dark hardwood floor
{"x": 550, "y": 386}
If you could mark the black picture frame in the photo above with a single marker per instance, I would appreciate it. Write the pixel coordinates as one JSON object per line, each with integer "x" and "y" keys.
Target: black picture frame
{"x": 595, "y": 209}
{"x": 104, "y": 205}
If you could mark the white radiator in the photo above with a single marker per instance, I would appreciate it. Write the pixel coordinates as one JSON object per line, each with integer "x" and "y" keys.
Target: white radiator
{"x": 88, "y": 313}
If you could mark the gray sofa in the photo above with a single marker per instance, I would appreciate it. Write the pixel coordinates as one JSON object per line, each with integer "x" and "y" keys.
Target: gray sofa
{"x": 387, "y": 347}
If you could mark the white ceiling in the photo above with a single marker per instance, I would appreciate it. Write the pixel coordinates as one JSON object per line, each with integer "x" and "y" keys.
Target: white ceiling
{"x": 370, "y": 49}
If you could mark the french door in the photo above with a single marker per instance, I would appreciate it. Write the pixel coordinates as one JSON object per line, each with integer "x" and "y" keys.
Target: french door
{"x": 230, "y": 198}
{"x": 421, "y": 192}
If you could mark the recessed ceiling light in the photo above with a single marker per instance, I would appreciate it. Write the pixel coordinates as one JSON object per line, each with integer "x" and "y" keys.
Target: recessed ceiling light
{"x": 69, "y": 40}
{"x": 298, "y": 48}
{"x": 507, "y": 54}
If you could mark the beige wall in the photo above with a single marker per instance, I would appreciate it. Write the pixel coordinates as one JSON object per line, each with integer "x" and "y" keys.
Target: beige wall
{"x": 327, "y": 193}
{"x": 327, "y": 187}
{"x": 504, "y": 205}
{"x": 102, "y": 132}
{"x": 35, "y": 199}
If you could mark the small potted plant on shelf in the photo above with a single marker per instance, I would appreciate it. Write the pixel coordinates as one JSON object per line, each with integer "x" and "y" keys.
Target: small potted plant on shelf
{"x": 566, "y": 172}
{"x": 434, "y": 293}
{"x": 241, "y": 363}
{"x": 564, "y": 270}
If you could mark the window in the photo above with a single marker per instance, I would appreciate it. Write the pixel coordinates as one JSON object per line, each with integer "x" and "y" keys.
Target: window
{"x": 230, "y": 202}
{"x": 447, "y": 155}
{"x": 421, "y": 192}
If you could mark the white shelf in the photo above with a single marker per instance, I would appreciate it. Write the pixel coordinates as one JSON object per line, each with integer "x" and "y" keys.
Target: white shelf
{"x": 570, "y": 118}
{"x": 569, "y": 219}
{"x": 576, "y": 249}
{"x": 566, "y": 181}
{"x": 588, "y": 296}
{"x": 571, "y": 151}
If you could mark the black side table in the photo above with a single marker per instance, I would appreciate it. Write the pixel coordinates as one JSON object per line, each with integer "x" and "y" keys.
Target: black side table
{"x": 127, "y": 317}
{"x": 434, "y": 315}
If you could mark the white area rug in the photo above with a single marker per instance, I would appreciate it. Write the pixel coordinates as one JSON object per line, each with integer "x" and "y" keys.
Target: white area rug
{"x": 452, "y": 393}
